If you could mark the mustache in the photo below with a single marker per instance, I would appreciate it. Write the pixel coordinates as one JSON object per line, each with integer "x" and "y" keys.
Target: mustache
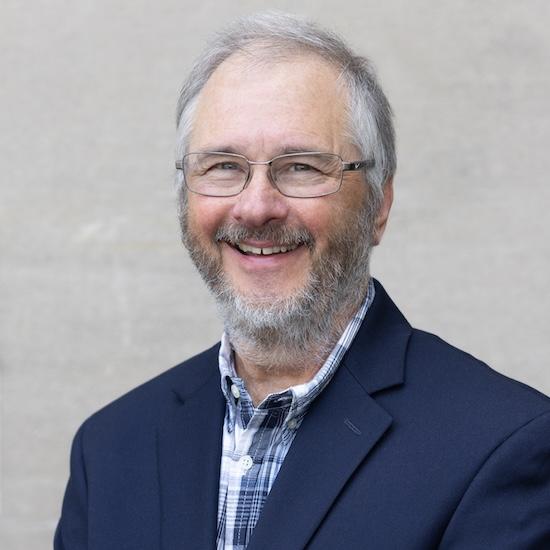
{"x": 279, "y": 234}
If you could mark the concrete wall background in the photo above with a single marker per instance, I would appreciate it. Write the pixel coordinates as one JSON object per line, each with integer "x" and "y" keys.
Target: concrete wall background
{"x": 96, "y": 293}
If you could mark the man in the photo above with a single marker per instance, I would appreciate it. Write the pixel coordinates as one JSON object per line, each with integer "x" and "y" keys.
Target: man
{"x": 322, "y": 420}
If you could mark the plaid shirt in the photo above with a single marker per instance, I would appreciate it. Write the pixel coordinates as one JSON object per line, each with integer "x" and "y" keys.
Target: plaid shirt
{"x": 256, "y": 440}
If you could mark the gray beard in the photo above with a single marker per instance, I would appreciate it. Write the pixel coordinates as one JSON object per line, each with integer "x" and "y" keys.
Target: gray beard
{"x": 295, "y": 332}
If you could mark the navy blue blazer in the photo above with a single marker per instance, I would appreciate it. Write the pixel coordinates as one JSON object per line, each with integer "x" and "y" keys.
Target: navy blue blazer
{"x": 413, "y": 445}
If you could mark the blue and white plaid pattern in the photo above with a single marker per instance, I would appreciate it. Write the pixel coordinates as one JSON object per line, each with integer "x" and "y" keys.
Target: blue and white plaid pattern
{"x": 256, "y": 440}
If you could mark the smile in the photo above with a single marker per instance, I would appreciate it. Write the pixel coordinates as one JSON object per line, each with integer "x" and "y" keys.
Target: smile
{"x": 264, "y": 251}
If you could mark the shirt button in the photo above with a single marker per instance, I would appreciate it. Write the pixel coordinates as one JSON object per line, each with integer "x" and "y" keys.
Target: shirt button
{"x": 246, "y": 462}
{"x": 292, "y": 423}
{"x": 235, "y": 391}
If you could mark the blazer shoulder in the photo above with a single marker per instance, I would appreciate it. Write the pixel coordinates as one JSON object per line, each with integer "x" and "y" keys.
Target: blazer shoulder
{"x": 148, "y": 400}
{"x": 464, "y": 381}
{"x": 507, "y": 503}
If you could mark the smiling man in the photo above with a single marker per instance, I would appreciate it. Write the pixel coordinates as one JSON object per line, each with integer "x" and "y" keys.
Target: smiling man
{"x": 283, "y": 240}
{"x": 322, "y": 419}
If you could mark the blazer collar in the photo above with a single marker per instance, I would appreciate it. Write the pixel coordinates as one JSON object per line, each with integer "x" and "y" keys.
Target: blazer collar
{"x": 377, "y": 356}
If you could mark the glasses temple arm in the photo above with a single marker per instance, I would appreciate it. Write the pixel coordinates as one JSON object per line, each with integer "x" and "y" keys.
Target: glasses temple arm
{"x": 357, "y": 165}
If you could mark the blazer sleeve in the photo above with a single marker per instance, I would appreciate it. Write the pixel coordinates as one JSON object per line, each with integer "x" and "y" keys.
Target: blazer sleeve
{"x": 507, "y": 505}
{"x": 72, "y": 529}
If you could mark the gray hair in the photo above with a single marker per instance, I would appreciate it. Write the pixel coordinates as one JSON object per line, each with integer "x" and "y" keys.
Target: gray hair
{"x": 279, "y": 35}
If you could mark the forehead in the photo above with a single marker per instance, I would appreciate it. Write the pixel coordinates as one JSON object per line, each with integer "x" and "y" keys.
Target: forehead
{"x": 265, "y": 107}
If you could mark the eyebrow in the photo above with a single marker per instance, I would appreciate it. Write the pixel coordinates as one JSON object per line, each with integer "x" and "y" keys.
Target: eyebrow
{"x": 283, "y": 151}
{"x": 288, "y": 150}
{"x": 218, "y": 149}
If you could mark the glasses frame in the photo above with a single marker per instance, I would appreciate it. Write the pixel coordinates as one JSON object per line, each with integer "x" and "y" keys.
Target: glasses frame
{"x": 347, "y": 166}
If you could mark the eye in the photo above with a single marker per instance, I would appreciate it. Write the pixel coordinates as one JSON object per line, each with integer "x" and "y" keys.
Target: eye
{"x": 225, "y": 166}
{"x": 301, "y": 167}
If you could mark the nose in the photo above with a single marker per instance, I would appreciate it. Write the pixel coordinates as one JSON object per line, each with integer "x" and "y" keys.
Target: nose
{"x": 259, "y": 202}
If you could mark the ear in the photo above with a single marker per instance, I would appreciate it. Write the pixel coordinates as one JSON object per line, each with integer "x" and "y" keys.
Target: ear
{"x": 383, "y": 212}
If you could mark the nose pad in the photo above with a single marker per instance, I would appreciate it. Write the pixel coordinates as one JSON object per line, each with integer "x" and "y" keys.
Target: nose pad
{"x": 260, "y": 201}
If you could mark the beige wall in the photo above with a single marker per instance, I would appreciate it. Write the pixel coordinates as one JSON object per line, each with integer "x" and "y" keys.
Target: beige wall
{"x": 96, "y": 293}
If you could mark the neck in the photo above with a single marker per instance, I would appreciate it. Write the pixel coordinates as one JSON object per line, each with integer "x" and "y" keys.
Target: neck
{"x": 261, "y": 382}
{"x": 268, "y": 368}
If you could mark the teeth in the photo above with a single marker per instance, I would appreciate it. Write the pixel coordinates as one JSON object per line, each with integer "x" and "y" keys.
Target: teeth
{"x": 267, "y": 251}
{"x": 251, "y": 249}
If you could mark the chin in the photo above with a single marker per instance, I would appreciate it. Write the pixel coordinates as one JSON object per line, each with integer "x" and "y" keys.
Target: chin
{"x": 273, "y": 309}
{"x": 267, "y": 294}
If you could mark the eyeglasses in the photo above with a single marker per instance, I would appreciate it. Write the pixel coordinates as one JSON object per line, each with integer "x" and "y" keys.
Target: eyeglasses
{"x": 301, "y": 175}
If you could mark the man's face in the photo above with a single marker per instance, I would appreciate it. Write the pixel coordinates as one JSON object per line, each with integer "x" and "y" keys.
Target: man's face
{"x": 262, "y": 111}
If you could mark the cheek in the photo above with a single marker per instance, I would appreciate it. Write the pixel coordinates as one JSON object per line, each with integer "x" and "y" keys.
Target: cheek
{"x": 324, "y": 217}
{"x": 205, "y": 215}
{"x": 313, "y": 212}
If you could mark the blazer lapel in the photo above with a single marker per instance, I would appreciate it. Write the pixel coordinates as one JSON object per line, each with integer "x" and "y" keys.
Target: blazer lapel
{"x": 334, "y": 438}
{"x": 341, "y": 428}
{"x": 189, "y": 450}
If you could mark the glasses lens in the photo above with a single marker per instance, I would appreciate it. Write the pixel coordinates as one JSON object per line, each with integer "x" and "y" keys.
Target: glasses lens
{"x": 307, "y": 175}
{"x": 215, "y": 174}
